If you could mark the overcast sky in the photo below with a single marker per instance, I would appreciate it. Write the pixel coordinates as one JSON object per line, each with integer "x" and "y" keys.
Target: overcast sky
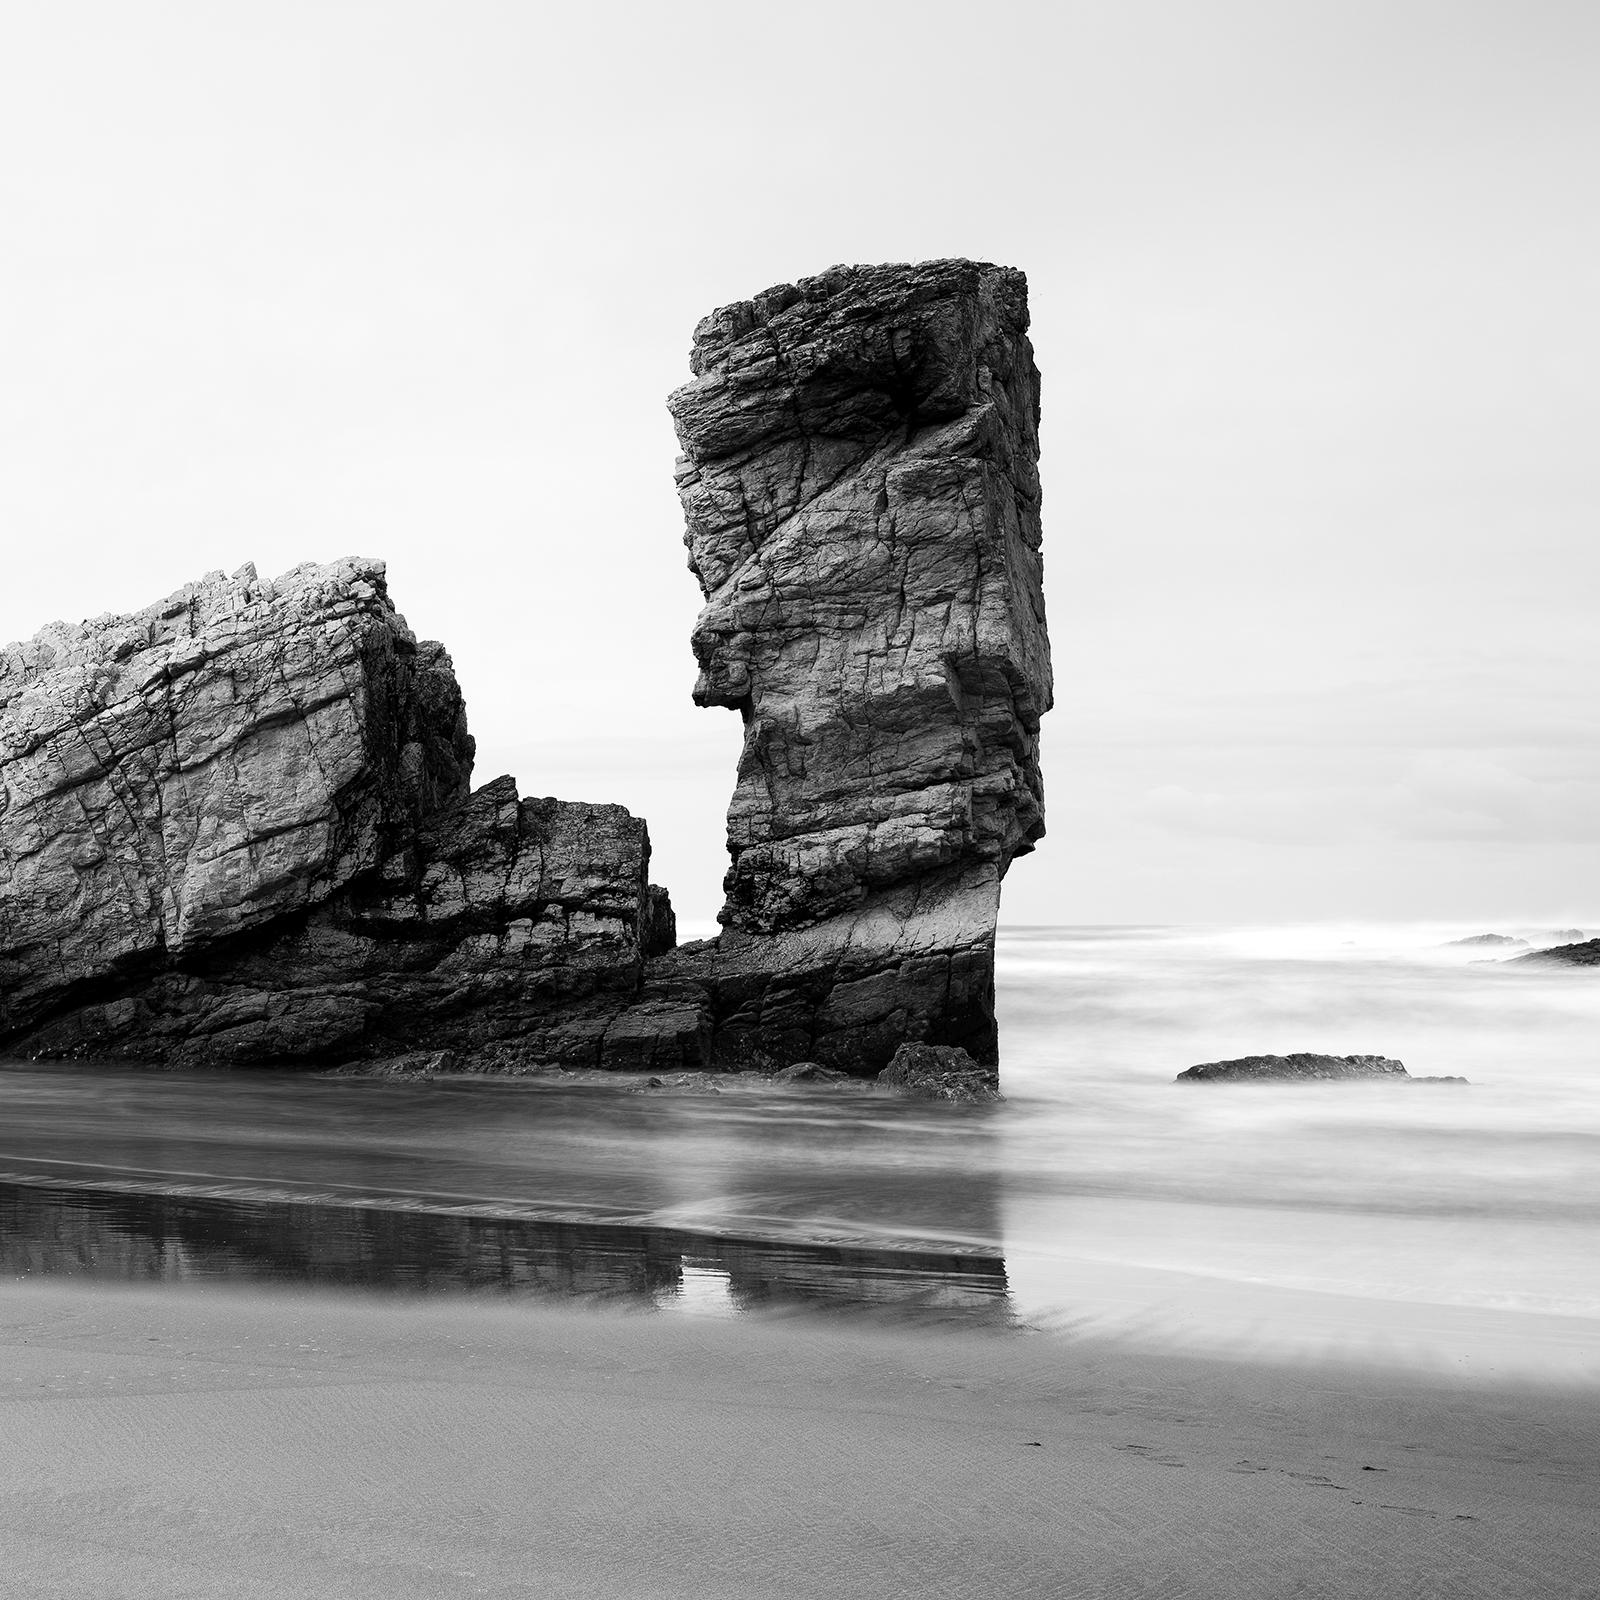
{"x": 1314, "y": 297}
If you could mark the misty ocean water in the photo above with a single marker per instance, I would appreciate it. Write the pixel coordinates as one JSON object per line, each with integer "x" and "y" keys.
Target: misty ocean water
{"x": 1296, "y": 1216}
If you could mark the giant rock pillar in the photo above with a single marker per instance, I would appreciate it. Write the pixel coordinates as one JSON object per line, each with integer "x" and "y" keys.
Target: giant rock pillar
{"x": 860, "y": 484}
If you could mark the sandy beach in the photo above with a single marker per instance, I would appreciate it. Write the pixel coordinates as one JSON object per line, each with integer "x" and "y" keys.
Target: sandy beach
{"x": 215, "y": 1442}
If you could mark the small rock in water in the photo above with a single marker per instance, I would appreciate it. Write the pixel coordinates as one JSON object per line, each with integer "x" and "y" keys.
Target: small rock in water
{"x": 1488, "y": 938}
{"x": 1300, "y": 1067}
{"x": 411, "y": 1064}
{"x": 940, "y": 1072}
{"x": 809, "y": 1072}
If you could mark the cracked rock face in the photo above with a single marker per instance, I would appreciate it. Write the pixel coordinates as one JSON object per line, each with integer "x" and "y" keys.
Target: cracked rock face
{"x": 237, "y": 828}
{"x": 860, "y": 484}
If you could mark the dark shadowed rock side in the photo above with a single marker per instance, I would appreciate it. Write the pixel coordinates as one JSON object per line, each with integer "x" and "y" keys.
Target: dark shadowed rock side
{"x": 860, "y": 483}
{"x": 236, "y": 827}
{"x": 1302, "y": 1067}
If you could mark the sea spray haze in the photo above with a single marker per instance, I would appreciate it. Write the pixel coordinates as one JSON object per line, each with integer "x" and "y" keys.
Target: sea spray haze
{"x": 1485, "y": 1194}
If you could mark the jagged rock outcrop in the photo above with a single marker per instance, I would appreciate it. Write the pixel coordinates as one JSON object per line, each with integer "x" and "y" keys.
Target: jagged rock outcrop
{"x": 236, "y": 827}
{"x": 860, "y": 483}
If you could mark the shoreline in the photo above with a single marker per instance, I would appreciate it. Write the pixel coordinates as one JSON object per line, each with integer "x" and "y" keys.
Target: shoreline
{"x": 162, "y": 1441}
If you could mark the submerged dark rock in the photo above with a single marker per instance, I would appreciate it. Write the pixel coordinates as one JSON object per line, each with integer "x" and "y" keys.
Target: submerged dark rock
{"x": 1302, "y": 1066}
{"x": 809, "y": 1072}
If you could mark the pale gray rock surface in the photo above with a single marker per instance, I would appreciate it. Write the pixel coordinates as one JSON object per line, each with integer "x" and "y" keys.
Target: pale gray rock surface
{"x": 860, "y": 484}
{"x": 238, "y": 829}
{"x": 198, "y": 769}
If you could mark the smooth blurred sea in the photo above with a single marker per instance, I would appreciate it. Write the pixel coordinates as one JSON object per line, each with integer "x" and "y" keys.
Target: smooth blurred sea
{"x": 1100, "y": 1195}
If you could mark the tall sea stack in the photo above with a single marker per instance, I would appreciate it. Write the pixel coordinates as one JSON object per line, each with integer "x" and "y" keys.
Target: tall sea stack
{"x": 860, "y": 482}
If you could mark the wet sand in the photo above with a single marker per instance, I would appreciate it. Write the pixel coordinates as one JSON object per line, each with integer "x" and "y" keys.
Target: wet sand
{"x": 214, "y": 1442}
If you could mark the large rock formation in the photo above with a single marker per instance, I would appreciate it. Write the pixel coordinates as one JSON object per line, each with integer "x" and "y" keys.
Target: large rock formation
{"x": 860, "y": 482}
{"x": 236, "y": 827}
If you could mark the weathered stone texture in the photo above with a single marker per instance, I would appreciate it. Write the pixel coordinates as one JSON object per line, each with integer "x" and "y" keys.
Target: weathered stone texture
{"x": 860, "y": 483}
{"x": 238, "y": 829}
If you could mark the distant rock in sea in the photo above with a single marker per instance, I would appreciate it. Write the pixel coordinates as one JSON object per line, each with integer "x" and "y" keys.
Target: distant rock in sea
{"x": 1566, "y": 936}
{"x": 1478, "y": 939}
{"x": 940, "y": 1072}
{"x": 1586, "y": 954}
{"x": 1302, "y": 1067}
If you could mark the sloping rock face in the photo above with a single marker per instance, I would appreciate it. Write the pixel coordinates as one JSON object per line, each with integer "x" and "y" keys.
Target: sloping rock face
{"x": 860, "y": 483}
{"x": 1585, "y": 954}
{"x": 236, "y": 827}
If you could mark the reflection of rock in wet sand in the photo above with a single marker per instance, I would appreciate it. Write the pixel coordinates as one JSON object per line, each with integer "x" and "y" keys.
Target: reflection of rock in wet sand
{"x": 59, "y": 1231}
